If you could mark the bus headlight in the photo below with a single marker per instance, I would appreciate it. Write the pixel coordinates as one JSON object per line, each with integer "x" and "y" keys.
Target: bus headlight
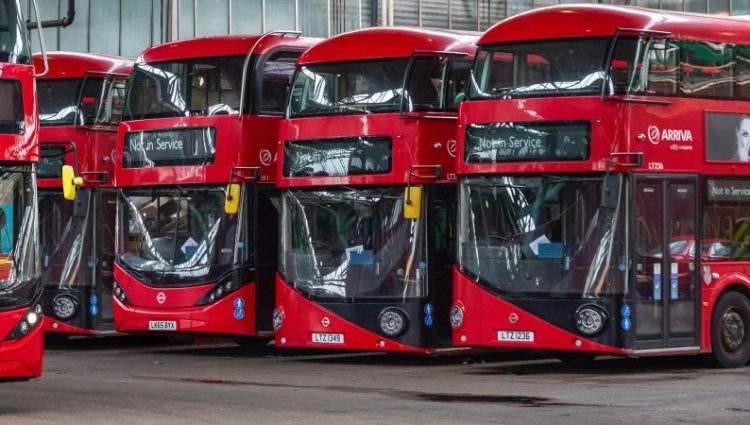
{"x": 278, "y": 319}
{"x": 120, "y": 294}
{"x": 457, "y": 316}
{"x": 28, "y": 322}
{"x": 590, "y": 319}
{"x": 219, "y": 291}
{"x": 392, "y": 322}
{"x": 64, "y": 307}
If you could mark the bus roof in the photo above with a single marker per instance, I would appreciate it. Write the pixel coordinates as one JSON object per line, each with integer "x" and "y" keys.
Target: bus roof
{"x": 390, "y": 42}
{"x": 77, "y": 65}
{"x": 573, "y": 21}
{"x": 227, "y": 45}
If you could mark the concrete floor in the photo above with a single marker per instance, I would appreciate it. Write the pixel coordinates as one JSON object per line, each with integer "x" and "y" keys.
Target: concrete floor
{"x": 129, "y": 380}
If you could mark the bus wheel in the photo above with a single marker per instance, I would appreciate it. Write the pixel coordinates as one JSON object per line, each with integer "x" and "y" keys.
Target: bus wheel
{"x": 730, "y": 330}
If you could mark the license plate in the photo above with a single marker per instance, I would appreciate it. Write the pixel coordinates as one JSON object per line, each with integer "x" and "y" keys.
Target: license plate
{"x": 515, "y": 336}
{"x": 162, "y": 325}
{"x": 322, "y": 338}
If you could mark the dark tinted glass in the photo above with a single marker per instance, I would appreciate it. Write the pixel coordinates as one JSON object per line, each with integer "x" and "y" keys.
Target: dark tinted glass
{"x": 337, "y": 157}
{"x": 196, "y": 87}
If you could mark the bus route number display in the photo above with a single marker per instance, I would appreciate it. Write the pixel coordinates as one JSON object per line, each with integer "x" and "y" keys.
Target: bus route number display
{"x": 521, "y": 141}
{"x": 190, "y": 146}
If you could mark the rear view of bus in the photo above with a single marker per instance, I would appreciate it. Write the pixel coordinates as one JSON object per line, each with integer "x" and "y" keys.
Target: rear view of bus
{"x": 20, "y": 275}
{"x": 603, "y": 185}
{"x": 197, "y": 220}
{"x": 368, "y": 203}
{"x": 80, "y": 104}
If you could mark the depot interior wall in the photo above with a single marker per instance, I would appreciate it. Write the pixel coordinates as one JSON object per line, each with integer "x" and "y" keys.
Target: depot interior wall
{"x": 126, "y": 27}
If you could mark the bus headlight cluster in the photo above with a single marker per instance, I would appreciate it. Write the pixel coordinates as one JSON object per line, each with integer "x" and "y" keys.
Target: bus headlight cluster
{"x": 278, "y": 319}
{"x": 590, "y": 320}
{"x": 64, "y": 306}
{"x": 392, "y": 322}
{"x": 120, "y": 294}
{"x": 457, "y": 316}
{"x": 28, "y": 322}
{"x": 221, "y": 290}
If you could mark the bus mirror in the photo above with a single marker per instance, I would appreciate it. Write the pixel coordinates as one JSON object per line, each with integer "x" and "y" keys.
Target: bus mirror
{"x": 611, "y": 191}
{"x": 70, "y": 182}
{"x": 413, "y": 202}
{"x": 232, "y": 199}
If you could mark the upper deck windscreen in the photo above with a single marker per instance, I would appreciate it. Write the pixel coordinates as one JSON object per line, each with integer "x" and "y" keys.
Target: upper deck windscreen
{"x": 190, "y": 87}
{"x": 541, "y": 68}
{"x": 14, "y": 43}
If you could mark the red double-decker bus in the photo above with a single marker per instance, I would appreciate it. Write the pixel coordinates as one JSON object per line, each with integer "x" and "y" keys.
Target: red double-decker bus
{"x": 368, "y": 191}
{"x": 604, "y": 191}
{"x": 21, "y": 342}
{"x": 194, "y": 167}
{"x": 80, "y": 104}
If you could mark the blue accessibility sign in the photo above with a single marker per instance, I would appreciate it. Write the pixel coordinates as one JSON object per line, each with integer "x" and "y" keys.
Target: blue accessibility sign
{"x": 239, "y": 314}
{"x": 239, "y": 303}
{"x": 93, "y": 299}
{"x": 94, "y": 309}
{"x": 428, "y": 309}
{"x": 626, "y": 324}
{"x": 428, "y": 320}
{"x": 625, "y": 310}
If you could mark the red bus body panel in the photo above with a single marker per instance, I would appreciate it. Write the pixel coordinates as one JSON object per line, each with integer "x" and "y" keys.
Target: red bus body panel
{"x": 241, "y": 141}
{"x": 303, "y": 317}
{"x": 415, "y": 141}
{"x": 94, "y": 145}
{"x": 21, "y": 358}
{"x": 618, "y": 125}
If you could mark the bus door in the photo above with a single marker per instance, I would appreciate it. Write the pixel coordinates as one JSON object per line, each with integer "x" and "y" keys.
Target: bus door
{"x": 666, "y": 261}
{"x": 107, "y": 216}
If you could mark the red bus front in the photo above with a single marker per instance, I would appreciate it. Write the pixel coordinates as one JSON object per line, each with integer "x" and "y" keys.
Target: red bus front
{"x": 183, "y": 263}
{"x": 21, "y": 341}
{"x": 590, "y": 214}
{"x": 363, "y": 266}
{"x": 80, "y": 104}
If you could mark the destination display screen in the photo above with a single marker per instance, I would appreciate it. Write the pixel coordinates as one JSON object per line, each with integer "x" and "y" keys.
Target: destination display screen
{"x": 51, "y": 162}
{"x": 338, "y": 157}
{"x": 190, "y": 146}
{"x": 728, "y": 190}
{"x": 11, "y": 112}
{"x": 522, "y": 141}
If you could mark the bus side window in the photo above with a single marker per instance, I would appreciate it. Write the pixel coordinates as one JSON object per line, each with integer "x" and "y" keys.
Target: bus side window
{"x": 662, "y": 63}
{"x": 742, "y": 72}
{"x": 458, "y": 74}
{"x": 726, "y": 231}
{"x": 425, "y": 84}
{"x": 706, "y": 69}
{"x": 501, "y": 73}
{"x": 537, "y": 70}
{"x": 276, "y": 78}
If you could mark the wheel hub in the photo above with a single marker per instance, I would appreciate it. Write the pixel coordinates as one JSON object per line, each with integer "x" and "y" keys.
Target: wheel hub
{"x": 732, "y": 329}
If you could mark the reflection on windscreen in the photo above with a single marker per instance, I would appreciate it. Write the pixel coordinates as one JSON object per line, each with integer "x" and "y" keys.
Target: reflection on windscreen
{"x": 66, "y": 241}
{"x": 196, "y": 87}
{"x": 19, "y": 262}
{"x": 175, "y": 231}
{"x": 543, "y": 68}
{"x": 349, "y": 244}
{"x": 541, "y": 236}
{"x": 348, "y": 88}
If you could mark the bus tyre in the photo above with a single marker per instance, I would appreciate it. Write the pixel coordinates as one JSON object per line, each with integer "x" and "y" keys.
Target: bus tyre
{"x": 730, "y": 330}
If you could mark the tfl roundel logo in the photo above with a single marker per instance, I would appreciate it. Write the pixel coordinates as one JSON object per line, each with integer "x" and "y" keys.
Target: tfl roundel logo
{"x": 654, "y": 135}
{"x": 266, "y": 157}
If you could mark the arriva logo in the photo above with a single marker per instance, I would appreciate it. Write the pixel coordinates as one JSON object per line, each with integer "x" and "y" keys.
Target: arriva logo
{"x": 655, "y": 135}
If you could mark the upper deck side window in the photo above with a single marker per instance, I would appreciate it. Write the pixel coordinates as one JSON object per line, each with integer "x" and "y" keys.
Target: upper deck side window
{"x": 77, "y": 101}
{"x": 276, "y": 77}
{"x": 646, "y": 66}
